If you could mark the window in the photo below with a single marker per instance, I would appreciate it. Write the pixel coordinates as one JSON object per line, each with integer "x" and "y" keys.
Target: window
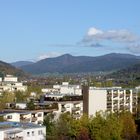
{"x": 39, "y": 115}
{"x": 28, "y": 134}
{"x": 33, "y": 133}
{"x": 40, "y": 132}
{"x": 9, "y": 117}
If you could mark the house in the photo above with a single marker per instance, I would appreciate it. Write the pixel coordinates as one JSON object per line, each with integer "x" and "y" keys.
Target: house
{"x": 11, "y": 84}
{"x": 21, "y": 131}
{"x": 23, "y": 116}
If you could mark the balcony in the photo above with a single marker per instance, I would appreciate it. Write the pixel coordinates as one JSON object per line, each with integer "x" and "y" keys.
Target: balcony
{"x": 75, "y": 108}
{"x": 14, "y": 138}
{"x": 63, "y": 109}
{"x": 34, "y": 119}
{"x": 76, "y": 115}
{"x": 24, "y": 120}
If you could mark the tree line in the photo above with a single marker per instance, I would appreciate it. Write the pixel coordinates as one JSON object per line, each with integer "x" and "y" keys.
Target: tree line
{"x": 103, "y": 126}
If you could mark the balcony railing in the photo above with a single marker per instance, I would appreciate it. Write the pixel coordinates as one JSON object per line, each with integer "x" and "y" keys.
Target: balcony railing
{"x": 34, "y": 119}
{"x": 14, "y": 138}
{"x": 24, "y": 120}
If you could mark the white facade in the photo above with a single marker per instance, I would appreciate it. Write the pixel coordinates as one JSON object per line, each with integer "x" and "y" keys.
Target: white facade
{"x": 10, "y": 78}
{"x": 11, "y": 84}
{"x": 68, "y": 89}
{"x": 97, "y": 101}
{"x": 0, "y": 79}
{"x": 21, "y": 131}
{"x": 73, "y": 107}
{"x": 35, "y": 117}
{"x": 21, "y": 105}
{"x": 109, "y": 99}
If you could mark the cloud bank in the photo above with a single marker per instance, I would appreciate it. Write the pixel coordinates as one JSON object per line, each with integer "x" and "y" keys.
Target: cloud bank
{"x": 96, "y": 38}
{"x": 48, "y": 55}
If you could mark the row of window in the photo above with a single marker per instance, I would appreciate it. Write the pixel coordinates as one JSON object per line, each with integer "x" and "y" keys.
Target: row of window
{"x": 33, "y": 133}
{"x": 10, "y": 116}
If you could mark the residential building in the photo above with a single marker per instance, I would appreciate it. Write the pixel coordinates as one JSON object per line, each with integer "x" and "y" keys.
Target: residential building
{"x": 21, "y": 131}
{"x": 23, "y": 116}
{"x": 109, "y": 99}
{"x": 11, "y": 84}
{"x": 75, "y": 108}
{"x": 65, "y": 89}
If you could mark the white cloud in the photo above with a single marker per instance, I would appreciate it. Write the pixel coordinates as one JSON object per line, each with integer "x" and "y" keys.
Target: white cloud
{"x": 123, "y": 36}
{"x": 94, "y": 31}
{"x": 49, "y": 55}
{"x": 135, "y": 48}
{"x": 97, "y": 38}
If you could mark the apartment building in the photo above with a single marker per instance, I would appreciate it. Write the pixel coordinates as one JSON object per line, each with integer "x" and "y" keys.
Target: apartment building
{"x": 21, "y": 131}
{"x": 65, "y": 89}
{"x": 35, "y": 116}
{"x": 10, "y": 83}
{"x": 75, "y": 108}
{"x": 114, "y": 99}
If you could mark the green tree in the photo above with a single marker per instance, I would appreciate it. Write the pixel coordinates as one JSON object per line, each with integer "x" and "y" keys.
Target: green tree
{"x": 6, "y": 97}
{"x": 63, "y": 126}
{"x": 129, "y": 127}
{"x": 30, "y": 105}
{"x": 50, "y": 127}
{"x": 105, "y": 127}
{"x": 20, "y": 96}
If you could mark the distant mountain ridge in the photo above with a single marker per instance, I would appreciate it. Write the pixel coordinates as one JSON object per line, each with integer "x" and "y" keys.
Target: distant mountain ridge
{"x": 131, "y": 72}
{"x": 18, "y": 64}
{"x": 77, "y": 64}
{"x": 6, "y": 68}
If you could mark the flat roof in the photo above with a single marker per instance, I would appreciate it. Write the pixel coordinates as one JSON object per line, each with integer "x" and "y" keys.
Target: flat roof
{"x": 9, "y": 125}
{"x": 4, "y": 112}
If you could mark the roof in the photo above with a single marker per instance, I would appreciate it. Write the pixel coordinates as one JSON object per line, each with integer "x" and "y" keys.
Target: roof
{"x": 4, "y": 112}
{"x": 11, "y": 125}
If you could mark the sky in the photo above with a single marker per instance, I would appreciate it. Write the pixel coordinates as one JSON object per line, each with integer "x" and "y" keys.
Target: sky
{"x": 36, "y": 29}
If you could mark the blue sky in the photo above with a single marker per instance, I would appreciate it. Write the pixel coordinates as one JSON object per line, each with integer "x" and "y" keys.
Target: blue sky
{"x": 35, "y": 29}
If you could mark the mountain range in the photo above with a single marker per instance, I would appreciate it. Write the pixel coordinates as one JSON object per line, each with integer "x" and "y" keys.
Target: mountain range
{"x": 81, "y": 64}
{"x": 6, "y": 68}
{"x": 19, "y": 64}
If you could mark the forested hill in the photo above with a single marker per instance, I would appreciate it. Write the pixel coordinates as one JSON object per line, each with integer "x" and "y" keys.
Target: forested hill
{"x": 77, "y": 64}
{"x": 131, "y": 72}
{"x": 6, "y": 68}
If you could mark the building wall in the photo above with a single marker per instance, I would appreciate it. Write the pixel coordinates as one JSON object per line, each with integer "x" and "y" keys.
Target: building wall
{"x": 85, "y": 93}
{"x": 97, "y": 101}
{"x": 13, "y": 117}
{"x": 32, "y": 133}
{"x": 35, "y": 134}
{"x": 1, "y": 135}
{"x": 10, "y": 79}
{"x": 109, "y": 99}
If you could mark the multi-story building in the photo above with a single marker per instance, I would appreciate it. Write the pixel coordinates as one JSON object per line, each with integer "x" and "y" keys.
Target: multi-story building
{"x": 22, "y": 116}
{"x": 65, "y": 89}
{"x": 114, "y": 99}
{"x": 21, "y": 131}
{"x": 10, "y": 84}
{"x": 75, "y": 108}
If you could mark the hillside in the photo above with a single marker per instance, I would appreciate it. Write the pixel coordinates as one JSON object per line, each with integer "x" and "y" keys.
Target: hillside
{"x": 77, "y": 64}
{"x": 132, "y": 72}
{"x": 6, "y": 68}
{"x": 19, "y": 64}
{"x": 127, "y": 77}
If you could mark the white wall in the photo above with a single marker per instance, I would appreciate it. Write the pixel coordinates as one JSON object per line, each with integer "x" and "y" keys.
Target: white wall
{"x": 15, "y": 117}
{"x": 97, "y": 101}
{"x": 1, "y": 135}
{"x": 36, "y": 135}
{"x": 10, "y": 79}
{"x": 21, "y": 105}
